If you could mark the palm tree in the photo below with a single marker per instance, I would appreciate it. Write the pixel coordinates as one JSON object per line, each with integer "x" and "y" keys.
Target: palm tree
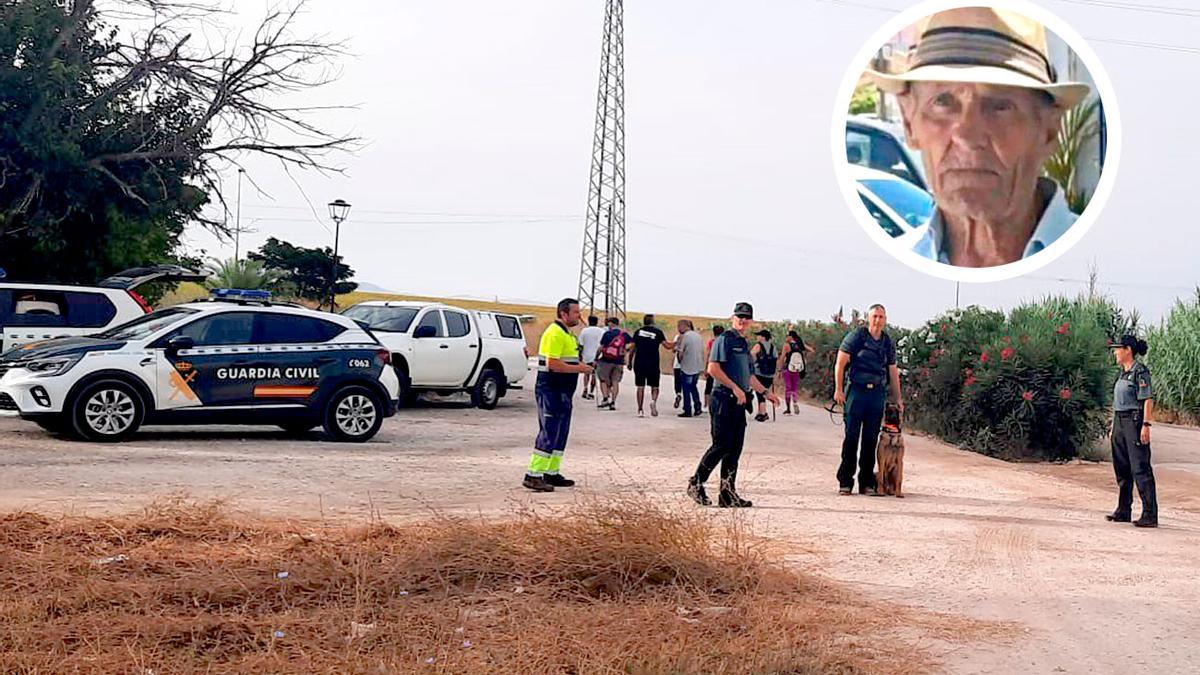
{"x": 1079, "y": 126}
{"x": 244, "y": 273}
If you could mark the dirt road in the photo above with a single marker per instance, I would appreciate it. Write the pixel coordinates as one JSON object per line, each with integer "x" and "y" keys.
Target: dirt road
{"x": 975, "y": 537}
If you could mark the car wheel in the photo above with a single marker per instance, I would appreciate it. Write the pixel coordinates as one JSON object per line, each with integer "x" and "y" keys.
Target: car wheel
{"x": 407, "y": 397}
{"x": 353, "y": 414}
{"x": 107, "y": 411}
{"x": 488, "y": 390}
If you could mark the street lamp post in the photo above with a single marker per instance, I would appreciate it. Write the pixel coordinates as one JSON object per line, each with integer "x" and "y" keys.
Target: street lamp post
{"x": 338, "y": 211}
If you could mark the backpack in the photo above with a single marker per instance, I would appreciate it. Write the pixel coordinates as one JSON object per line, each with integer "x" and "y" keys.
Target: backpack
{"x": 795, "y": 362}
{"x": 766, "y": 359}
{"x": 615, "y": 349}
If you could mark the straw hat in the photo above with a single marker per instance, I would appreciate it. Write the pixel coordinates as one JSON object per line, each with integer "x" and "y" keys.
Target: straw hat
{"x": 983, "y": 45}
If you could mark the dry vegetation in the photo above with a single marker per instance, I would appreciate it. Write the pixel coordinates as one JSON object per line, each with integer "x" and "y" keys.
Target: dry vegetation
{"x": 618, "y": 588}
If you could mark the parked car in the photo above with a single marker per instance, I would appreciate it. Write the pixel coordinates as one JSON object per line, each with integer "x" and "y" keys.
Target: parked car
{"x": 235, "y": 359}
{"x": 875, "y": 144}
{"x": 445, "y": 349}
{"x": 899, "y": 207}
{"x": 36, "y": 311}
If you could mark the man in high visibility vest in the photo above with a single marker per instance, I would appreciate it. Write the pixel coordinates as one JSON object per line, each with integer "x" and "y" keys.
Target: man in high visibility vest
{"x": 558, "y": 375}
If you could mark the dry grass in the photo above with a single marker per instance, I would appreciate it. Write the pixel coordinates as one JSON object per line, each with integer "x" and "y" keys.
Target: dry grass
{"x": 620, "y": 588}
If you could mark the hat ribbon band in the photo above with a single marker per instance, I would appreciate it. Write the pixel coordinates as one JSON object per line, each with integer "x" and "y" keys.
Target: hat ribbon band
{"x": 975, "y": 47}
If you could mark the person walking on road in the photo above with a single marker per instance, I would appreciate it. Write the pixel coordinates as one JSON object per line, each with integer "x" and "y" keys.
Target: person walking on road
{"x": 708, "y": 381}
{"x": 558, "y": 375}
{"x": 589, "y": 347}
{"x": 689, "y": 349}
{"x": 643, "y": 360}
{"x": 729, "y": 363}
{"x": 867, "y": 358}
{"x": 610, "y": 363}
{"x": 765, "y": 363}
{"x": 792, "y": 366}
{"x": 1133, "y": 405}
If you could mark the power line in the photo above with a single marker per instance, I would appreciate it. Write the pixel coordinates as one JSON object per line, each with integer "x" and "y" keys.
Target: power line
{"x": 1137, "y": 7}
{"x": 424, "y": 213}
{"x": 1156, "y": 46}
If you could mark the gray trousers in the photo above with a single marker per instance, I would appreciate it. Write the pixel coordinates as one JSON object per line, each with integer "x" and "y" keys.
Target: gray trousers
{"x": 1131, "y": 463}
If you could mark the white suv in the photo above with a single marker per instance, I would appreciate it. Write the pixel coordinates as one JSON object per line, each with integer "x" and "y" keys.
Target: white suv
{"x": 236, "y": 359}
{"x": 35, "y": 311}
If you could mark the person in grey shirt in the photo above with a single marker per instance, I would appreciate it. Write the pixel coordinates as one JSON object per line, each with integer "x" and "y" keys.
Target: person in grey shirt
{"x": 728, "y": 364}
{"x": 689, "y": 349}
{"x": 1133, "y": 404}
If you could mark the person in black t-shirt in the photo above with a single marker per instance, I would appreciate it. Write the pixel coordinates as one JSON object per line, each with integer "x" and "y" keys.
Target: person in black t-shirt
{"x": 643, "y": 361}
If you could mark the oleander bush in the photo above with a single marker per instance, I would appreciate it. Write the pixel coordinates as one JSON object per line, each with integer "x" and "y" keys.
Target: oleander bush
{"x": 1033, "y": 384}
{"x": 1174, "y": 359}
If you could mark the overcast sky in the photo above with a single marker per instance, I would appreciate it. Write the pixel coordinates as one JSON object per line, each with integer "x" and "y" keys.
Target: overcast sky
{"x": 478, "y": 118}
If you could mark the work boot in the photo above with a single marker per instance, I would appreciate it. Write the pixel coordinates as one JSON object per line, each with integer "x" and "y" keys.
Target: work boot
{"x": 696, "y": 491}
{"x": 1146, "y": 521}
{"x": 1118, "y": 517}
{"x": 537, "y": 484}
{"x": 729, "y": 498}
{"x": 558, "y": 480}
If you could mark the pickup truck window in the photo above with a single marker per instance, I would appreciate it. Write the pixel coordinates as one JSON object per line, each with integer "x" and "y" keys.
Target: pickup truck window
{"x": 457, "y": 324}
{"x": 509, "y": 326}
{"x": 383, "y": 319}
{"x": 433, "y": 318}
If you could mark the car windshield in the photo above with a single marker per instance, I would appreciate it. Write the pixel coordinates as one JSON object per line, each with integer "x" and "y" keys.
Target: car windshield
{"x": 383, "y": 319}
{"x": 143, "y": 327}
{"x": 912, "y": 203}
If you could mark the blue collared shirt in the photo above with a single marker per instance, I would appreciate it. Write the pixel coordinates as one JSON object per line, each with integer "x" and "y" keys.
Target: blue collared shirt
{"x": 1054, "y": 223}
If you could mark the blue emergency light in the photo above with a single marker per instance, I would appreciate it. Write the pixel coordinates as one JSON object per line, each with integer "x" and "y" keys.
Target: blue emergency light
{"x": 243, "y": 294}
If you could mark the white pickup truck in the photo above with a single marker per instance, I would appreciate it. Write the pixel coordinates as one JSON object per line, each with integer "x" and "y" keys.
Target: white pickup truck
{"x": 448, "y": 350}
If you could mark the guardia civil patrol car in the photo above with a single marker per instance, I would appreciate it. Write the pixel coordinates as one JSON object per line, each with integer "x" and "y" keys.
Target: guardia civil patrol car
{"x": 236, "y": 358}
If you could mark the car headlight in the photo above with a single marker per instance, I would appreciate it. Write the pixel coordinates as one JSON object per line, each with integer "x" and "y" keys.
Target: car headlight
{"x": 53, "y": 366}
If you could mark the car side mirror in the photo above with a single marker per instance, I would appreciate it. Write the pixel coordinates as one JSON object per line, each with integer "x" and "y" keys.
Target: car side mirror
{"x": 425, "y": 332}
{"x": 179, "y": 343}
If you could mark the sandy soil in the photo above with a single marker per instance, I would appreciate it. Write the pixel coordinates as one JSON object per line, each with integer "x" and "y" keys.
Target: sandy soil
{"x": 975, "y": 537}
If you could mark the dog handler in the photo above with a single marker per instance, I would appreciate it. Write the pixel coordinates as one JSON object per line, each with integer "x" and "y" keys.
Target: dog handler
{"x": 870, "y": 357}
{"x": 729, "y": 364}
{"x": 558, "y": 375}
{"x": 1133, "y": 403}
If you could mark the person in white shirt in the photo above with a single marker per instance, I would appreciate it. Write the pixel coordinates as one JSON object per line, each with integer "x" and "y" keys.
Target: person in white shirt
{"x": 589, "y": 349}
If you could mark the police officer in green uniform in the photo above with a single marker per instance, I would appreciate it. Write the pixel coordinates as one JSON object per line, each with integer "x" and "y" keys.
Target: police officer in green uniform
{"x": 1133, "y": 403}
{"x": 729, "y": 365}
{"x": 870, "y": 357}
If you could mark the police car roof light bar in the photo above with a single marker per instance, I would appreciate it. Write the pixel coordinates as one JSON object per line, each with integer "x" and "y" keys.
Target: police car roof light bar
{"x": 240, "y": 294}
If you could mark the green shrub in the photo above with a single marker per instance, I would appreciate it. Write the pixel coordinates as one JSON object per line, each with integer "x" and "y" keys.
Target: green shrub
{"x": 1174, "y": 359}
{"x": 1033, "y": 384}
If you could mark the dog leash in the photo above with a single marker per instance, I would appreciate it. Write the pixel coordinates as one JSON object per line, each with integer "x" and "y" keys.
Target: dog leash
{"x": 836, "y": 416}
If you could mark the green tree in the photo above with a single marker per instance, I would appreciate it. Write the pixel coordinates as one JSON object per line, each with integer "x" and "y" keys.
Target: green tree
{"x": 112, "y": 142}
{"x": 864, "y": 100}
{"x": 1079, "y": 127}
{"x": 305, "y": 270}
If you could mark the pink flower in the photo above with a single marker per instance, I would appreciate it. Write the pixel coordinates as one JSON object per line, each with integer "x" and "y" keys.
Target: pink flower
{"x": 1064, "y": 329}
{"x": 1065, "y": 394}
{"x": 1007, "y": 353}
{"x": 1028, "y": 395}
{"x": 969, "y": 381}
{"x": 983, "y": 358}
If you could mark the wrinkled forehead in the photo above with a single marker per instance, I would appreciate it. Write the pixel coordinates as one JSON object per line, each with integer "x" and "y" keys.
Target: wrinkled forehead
{"x": 924, "y": 90}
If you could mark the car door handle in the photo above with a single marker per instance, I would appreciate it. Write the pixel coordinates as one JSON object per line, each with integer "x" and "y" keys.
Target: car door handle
{"x": 325, "y": 360}
{"x": 474, "y": 347}
{"x": 443, "y": 346}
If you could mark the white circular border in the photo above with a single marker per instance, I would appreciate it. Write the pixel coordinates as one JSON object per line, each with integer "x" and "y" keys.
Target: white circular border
{"x": 1000, "y": 272}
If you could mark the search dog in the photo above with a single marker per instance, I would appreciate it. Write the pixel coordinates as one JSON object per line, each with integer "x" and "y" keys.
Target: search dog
{"x": 889, "y": 454}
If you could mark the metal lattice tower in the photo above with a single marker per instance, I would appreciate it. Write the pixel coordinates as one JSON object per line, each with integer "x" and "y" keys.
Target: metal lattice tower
{"x": 602, "y": 272}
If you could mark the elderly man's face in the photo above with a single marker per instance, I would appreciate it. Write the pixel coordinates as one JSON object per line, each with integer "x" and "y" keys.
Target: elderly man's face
{"x": 983, "y": 145}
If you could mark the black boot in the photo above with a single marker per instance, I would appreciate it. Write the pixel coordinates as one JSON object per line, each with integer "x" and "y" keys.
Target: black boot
{"x": 729, "y": 498}
{"x": 1146, "y": 521}
{"x": 537, "y": 484}
{"x": 557, "y": 480}
{"x": 1118, "y": 517}
{"x": 696, "y": 491}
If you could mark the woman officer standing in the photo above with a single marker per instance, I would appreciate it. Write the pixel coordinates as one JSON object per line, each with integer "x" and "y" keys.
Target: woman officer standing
{"x": 1133, "y": 403}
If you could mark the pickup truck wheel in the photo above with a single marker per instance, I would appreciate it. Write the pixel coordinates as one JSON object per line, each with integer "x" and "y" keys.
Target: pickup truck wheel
{"x": 107, "y": 411}
{"x": 353, "y": 414}
{"x": 488, "y": 390}
{"x": 407, "y": 397}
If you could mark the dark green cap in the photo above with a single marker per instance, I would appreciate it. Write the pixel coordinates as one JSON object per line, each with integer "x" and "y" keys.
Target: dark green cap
{"x": 744, "y": 310}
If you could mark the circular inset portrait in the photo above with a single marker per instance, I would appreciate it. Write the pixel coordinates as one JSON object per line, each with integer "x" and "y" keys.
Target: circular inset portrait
{"x": 976, "y": 143}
